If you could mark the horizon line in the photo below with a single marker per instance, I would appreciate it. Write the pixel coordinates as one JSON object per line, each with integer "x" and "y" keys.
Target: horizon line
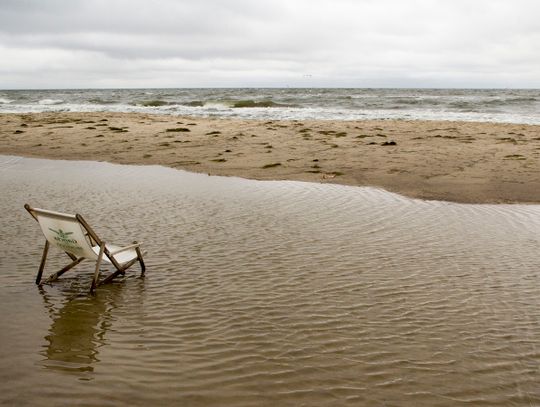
{"x": 274, "y": 87}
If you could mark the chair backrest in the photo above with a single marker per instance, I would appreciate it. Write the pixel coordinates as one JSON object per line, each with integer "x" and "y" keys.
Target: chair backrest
{"x": 65, "y": 232}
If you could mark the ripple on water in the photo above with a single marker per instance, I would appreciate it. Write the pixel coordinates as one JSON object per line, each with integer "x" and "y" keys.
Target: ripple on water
{"x": 264, "y": 293}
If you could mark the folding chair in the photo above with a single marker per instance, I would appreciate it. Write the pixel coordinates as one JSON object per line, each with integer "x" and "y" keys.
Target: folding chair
{"x": 73, "y": 235}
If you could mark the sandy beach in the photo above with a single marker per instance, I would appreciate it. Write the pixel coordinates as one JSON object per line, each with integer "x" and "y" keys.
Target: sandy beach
{"x": 467, "y": 162}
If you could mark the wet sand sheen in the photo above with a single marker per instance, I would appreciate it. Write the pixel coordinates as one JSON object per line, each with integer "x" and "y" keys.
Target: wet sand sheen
{"x": 269, "y": 293}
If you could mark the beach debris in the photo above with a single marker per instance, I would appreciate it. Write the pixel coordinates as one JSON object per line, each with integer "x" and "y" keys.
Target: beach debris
{"x": 389, "y": 143}
{"x": 514, "y": 157}
{"x": 178, "y": 129}
{"x": 330, "y": 175}
{"x": 507, "y": 139}
{"x": 271, "y": 165}
{"x": 188, "y": 162}
{"x": 118, "y": 129}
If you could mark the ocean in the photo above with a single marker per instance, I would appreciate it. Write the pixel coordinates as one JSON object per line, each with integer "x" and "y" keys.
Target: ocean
{"x": 485, "y": 105}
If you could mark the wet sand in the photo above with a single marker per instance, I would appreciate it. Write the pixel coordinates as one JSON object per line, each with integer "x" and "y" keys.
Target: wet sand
{"x": 256, "y": 296}
{"x": 452, "y": 161}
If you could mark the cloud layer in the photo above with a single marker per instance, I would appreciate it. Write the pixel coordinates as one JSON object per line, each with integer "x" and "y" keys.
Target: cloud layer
{"x": 349, "y": 43}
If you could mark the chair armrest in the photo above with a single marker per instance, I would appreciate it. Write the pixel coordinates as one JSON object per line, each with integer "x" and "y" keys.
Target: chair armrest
{"x": 123, "y": 249}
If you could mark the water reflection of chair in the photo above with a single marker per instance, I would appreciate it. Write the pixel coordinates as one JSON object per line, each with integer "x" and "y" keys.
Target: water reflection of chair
{"x": 79, "y": 327}
{"x": 77, "y": 331}
{"x": 73, "y": 235}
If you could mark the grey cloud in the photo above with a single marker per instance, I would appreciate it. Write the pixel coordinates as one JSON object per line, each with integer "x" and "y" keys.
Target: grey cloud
{"x": 338, "y": 42}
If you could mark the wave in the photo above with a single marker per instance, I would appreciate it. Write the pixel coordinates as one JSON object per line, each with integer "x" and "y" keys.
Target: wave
{"x": 98, "y": 101}
{"x": 302, "y": 104}
{"x": 463, "y": 105}
{"x": 510, "y": 101}
{"x": 410, "y": 101}
{"x": 152, "y": 103}
{"x": 247, "y": 103}
{"x": 194, "y": 103}
{"x": 50, "y": 101}
{"x": 161, "y": 103}
{"x": 253, "y": 103}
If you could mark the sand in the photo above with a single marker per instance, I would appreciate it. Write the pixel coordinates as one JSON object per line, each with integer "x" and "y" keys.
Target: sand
{"x": 442, "y": 160}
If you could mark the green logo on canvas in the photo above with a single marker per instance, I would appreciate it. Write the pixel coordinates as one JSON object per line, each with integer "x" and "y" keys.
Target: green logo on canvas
{"x": 63, "y": 237}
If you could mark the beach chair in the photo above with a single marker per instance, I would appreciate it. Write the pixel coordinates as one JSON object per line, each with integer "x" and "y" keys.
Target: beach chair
{"x": 74, "y": 236}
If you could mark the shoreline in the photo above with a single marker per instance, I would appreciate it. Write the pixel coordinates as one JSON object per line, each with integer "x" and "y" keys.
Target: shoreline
{"x": 466, "y": 162}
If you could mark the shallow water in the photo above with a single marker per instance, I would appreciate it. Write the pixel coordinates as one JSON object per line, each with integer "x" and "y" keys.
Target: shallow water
{"x": 268, "y": 293}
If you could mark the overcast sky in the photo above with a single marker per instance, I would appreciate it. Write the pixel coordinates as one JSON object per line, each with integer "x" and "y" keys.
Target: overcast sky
{"x": 269, "y": 43}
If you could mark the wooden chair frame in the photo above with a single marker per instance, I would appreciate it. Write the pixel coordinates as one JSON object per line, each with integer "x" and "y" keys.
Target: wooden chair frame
{"x": 94, "y": 240}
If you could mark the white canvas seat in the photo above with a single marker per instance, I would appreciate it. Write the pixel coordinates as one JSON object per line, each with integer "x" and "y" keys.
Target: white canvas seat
{"x": 74, "y": 236}
{"x": 122, "y": 258}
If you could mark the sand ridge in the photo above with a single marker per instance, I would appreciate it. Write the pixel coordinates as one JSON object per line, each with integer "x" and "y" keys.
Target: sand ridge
{"x": 455, "y": 161}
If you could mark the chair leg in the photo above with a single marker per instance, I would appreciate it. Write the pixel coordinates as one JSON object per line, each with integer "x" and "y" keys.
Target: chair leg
{"x": 141, "y": 261}
{"x": 55, "y": 276}
{"x": 98, "y": 263}
{"x": 119, "y": 270}
{"x": 111, "y": 276}
{"x": 43, "y": 260}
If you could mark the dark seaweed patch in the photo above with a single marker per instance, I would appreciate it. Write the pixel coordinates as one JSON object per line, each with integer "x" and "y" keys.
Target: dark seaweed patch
{"x": 271, "y": 165}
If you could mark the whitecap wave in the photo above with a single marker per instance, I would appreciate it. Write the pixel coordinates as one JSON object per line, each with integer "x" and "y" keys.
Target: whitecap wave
{"x": 51, "y": 101}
